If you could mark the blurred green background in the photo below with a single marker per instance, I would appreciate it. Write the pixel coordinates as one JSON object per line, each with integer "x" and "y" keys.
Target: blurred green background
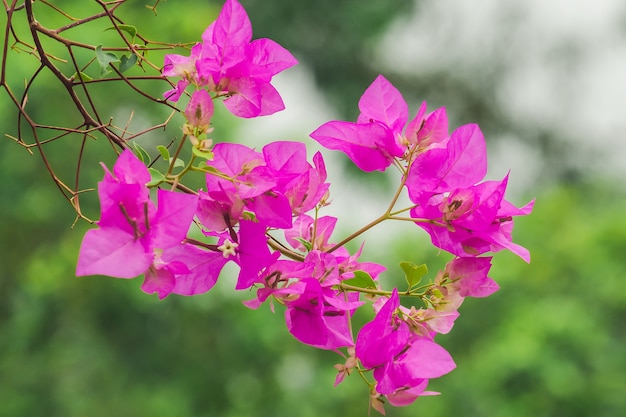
{"x": 549, "y": 343}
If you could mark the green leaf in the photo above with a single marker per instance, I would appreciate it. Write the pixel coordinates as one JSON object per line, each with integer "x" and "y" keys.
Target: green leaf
{"x": 141, "y": 153}
{"x": 208, "y": 155}
{"x": 165, "y": 153}
{"x": 156, "y": 177}
{"x": 82, "y": 76}
{"x": 130, "y": 29}
{"x": 305, "y": 243}
{"x": 413, "y": 273}
{"x": 127, "y": 62}
{"x": 104, "y": 59}
{"x": 361, "y": 280}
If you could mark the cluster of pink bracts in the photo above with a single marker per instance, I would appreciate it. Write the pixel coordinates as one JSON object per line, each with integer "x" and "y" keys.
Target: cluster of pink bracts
{"x": 254, "y": 212}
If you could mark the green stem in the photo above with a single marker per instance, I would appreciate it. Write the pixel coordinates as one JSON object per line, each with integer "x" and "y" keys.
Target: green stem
{"x": 403, "y": 210}
{"x": 408, "y": 293}
{"x": 178, "y": 176}
{"x": 410, "y": 219}
{"x": 347, "y": 287}
{"x": 363, "y": 377}
{"x": 394, "y": 200}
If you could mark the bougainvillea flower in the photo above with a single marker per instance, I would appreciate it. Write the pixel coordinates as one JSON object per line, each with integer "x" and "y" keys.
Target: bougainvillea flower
{"x": 302, "y": 184}
{"x": 468, "y": 276}
{"x": 372, "y": 142}
{"x": 199, "y": 110}
{"x": 422, "y": 360}
{"x": 319, "y": 315}
{"x": 238, "y": 175}
{"x": 407, "y": 396}
{"x": 131, "y": 229}
{"x": 462, "y": 277}
{"x": 473, "y": 220}
{"x": 244, "y": 181}
{"x": 181, "y": 66}
{"x": 280, "y": 279}
{"x": 370, "y": 146}
{"x": 217, "y": 212}
{"x": 203, "y": 268}
{"x": 308, "y": 189}
{"x": 231, "y": 63}
{"x": 186, "y": 269}
{"x": 324, "y": 267}
{"x": 428, "y": 131}
{"x": 381, "y": 132}
{"x": 303, "y": 228}
{"x": 254, "y": 255}
{"x": 461, "y": 163}
{"x": 429, "y": 321}
{"x": 274, "y": 184}
{"x": 349, "y": 264}
{"x": 287, "y": 160}
{"x": 380, "y": 340}
{"x": 382, "y": 102}
{"x": 401, "y": 360}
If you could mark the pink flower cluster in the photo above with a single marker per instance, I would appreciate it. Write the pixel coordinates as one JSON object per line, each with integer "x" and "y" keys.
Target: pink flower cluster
{"x": 261, "y": 210}
{"x": 228, "y": 63}
{"x": 398, "y": 345}
{"x": 442, "y": 171}
{"x": 254, "y": 192}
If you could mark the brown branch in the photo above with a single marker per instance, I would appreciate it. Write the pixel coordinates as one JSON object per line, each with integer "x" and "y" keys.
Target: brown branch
{"x": 79, "y": 91}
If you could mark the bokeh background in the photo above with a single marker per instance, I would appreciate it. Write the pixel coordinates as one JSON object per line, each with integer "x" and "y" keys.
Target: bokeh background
{"x": 546, "y": 81}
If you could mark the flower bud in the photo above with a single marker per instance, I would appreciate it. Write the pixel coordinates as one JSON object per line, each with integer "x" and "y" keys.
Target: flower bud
{"x": 199, "y": 111}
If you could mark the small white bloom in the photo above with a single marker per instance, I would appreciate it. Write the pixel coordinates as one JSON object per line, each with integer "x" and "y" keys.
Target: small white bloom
{"x": 228, "y": 248}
